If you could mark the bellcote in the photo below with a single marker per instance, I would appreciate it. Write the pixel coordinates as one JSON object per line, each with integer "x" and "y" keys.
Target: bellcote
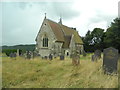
{"x": 60, "y": 22}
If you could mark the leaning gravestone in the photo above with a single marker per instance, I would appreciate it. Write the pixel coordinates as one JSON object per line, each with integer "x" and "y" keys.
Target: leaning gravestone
{"x": 98, "y": 54}
{"x": 61, "y": 57}
{"x": 94, "y": 58}
{"x": 84, "y": 53}
{"x": 110, "y": 60}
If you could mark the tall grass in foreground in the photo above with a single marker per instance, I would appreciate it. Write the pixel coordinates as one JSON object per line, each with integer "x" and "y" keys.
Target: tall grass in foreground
{"x": 40, "y": 73}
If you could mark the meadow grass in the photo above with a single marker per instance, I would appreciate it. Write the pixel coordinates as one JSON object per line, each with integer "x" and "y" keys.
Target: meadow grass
{"x": 38, "y": 73}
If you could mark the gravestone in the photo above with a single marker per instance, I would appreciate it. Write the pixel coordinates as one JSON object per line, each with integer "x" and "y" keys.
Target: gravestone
{"x": 110, "y": 60}
{"x": 18, "y": 53}
{"x": 61, "y": 57}
{"x": 84, "y": 53}
{"x": 50, "y": 57}
{"x": 94, "y": 58}
{"x": 13, "y": 55}
{"x": 28, "y": 55}
{"x": 98, "y": 54}
{"x": 45, "y": 57}
{"x": 75, "y": 58}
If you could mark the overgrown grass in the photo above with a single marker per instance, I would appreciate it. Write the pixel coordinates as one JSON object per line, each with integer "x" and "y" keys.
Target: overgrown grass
{"x": 40, "y": 73}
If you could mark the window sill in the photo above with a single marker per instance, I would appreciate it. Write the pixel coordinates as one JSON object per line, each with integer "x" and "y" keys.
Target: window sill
{"x": 44, "y": 48}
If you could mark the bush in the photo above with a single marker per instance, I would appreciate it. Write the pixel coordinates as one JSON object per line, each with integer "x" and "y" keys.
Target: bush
{"x": 8, "y": 51}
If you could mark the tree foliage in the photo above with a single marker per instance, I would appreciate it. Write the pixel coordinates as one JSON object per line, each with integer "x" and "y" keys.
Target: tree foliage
{"x": 112, "y": 35}
{"x": 98, "y": 39}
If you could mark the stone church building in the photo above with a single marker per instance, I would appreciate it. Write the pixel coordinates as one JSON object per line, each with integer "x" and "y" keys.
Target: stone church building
{"x": 57, "y": 39}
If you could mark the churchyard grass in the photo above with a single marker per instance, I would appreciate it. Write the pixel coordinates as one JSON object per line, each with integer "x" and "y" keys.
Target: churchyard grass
{"x": 38, "y": 73}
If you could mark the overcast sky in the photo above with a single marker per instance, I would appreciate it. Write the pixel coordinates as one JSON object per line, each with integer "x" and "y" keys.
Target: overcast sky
{"x": 21, "y": 21}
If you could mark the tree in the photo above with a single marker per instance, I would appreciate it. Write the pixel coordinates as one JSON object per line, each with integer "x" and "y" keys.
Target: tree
{"x": 94, "y": 40}
{"x": 112, "y": 35}
{"x": 97, "y": 38}
{"x": 87, "y": 41}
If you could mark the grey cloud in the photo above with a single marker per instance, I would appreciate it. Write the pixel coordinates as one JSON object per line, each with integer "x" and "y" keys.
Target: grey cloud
{"x": 23, "y": 5}
{"x": 21, "y": 21}
{"x": 65, "y": 9}
{"x": 57, "y": 9}
{"x": 102, "y": 17}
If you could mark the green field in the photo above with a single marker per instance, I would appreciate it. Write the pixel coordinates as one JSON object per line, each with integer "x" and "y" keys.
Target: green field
{"x": 38, "y": 73}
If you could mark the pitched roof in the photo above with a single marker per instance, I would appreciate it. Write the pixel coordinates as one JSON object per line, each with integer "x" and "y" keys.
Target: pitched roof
{"x": 57, "y": 30}
{"x": 69, "y": 31}
{"x": 67, "y": 41}
{"x": 63, "y": 33}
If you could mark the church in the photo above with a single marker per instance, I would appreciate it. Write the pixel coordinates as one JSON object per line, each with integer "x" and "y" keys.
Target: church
{"x": 57, "y": 39}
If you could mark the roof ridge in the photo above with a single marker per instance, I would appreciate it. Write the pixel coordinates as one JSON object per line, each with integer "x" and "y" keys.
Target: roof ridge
{"x": 58, "y": 23}
{"x": 64, "y": 30}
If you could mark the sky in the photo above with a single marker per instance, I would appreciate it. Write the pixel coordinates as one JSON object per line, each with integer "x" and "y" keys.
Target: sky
{"x": 21, "y": 21}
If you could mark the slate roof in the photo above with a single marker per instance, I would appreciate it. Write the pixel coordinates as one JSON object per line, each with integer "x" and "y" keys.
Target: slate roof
{"x": 64, "y": 33}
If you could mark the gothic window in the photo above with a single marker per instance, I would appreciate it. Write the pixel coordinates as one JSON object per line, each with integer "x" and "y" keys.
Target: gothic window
{"x": 45, "y": 42}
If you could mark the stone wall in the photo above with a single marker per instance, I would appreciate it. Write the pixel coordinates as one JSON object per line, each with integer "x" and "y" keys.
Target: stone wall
{"x": 53, "y": 46}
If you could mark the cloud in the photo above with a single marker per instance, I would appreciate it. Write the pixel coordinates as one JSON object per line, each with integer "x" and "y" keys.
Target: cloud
{"x": 65, "y": 10}
{"x": 21, "y": 20}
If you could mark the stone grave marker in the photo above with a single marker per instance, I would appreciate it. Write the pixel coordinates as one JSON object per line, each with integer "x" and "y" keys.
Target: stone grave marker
{"x": 45, "y": 57}
{"x": 62, "y": 57}
{"x": 84, "y": 53}
{"x": 18, "y": 52}
{"x": 110, "y": 60}
{"x": 98, "y": 54}
{"x": 50, "y": 57}
{"x": 28, "y": 55}
{"x": 13, "y": 55}
{"x": 75, "y": 58}
{"x": 94, "y": 58}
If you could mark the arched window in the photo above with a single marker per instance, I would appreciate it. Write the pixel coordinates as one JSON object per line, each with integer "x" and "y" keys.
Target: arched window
{"x": 45, "y": 42}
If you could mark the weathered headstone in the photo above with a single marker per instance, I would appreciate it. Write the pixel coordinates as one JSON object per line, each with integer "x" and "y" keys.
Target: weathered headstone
{"x": 110, "y": 60}
{"x": 45, "y": 57}
{"x": 13, "y": 55}
{"x": 75, "y": 58}
{"x": 28, "y": 55}
{"x": 50, "y": 57}
{"x": 94, "y": 58}
{"x": 84, "y": 53}
{"x": 18, "y": 53}
{"x": 98, "y": 54}
{"x": 61, "y": 57}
